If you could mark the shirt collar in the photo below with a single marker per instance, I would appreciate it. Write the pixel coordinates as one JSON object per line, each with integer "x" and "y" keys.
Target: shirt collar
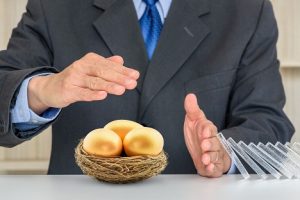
{"x": 165, "y": 5}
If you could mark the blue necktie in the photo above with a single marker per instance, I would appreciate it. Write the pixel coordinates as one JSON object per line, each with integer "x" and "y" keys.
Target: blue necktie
{"x": 151, "y": 26}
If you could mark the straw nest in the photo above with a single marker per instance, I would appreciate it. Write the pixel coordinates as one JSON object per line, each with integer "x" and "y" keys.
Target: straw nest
{"x": 120, "y": 169}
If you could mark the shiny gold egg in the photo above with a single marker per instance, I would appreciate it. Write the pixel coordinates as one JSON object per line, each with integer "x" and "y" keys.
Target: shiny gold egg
{"x": 103, "y": 142}
{"x": 143, "y": 141}
{"x": 122, "y": 127}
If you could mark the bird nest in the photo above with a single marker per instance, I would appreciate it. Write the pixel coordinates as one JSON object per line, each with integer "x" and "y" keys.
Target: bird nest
{"x": 120, "y": 169}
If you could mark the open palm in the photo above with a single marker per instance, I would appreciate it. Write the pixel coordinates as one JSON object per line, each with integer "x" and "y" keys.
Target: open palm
{"x": 208, "y": 155}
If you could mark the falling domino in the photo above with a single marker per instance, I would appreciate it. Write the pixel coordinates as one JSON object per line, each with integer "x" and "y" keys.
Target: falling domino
{"x": 233, "y": 156}
{"x": 247, "y": 159}
{"x": 279, "y": 159}
{"x": 285, "y": 159}
{"x": 260, "y": 160}
{"x": 293, "y": 155}
{"x": 265, "y": 155}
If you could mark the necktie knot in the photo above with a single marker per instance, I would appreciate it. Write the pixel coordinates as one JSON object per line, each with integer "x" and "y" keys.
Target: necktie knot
{"x": 150, "y": 2}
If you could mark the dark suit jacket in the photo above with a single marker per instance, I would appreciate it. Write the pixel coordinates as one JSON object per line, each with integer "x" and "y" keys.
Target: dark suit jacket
{"x": 224, "y": 51}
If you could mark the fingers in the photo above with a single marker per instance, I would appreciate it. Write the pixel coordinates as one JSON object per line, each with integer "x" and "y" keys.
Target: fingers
{"x": 213, "y": 171}
{"x": 117, "y": 59}
{"x": 98, "y": 65}
{"x": 215, "y": 163}
{"x": 97, "y": 73}
{"x": 90, "y": 78}
{"x": 82, "y": 94}
{"x": 211, "y": 144}
{"x": 117, "y": 62}
{"x": 212, "y": 151}
{"x": 209, "y": 130}
{"x": 205, "y": 129}
{"x": 112, "y": 86}
{"x": 193, "y": 112}
{"x": 202, "y": 142}
{"x": 210, "y": 169}
{"x": 121, "y": 69}
{"x": 211, "y": 158}
{"x": 98, "y": 84}
{"x": 111, "y": 75}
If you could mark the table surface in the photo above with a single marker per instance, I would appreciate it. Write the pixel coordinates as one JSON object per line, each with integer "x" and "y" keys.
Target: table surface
{"x": 73, "y": 187}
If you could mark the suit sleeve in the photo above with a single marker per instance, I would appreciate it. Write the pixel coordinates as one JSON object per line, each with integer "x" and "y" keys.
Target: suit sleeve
{"x": 255, "y": 113}
{"x": 29, "y": 52}
{"x": 23, "y": 118}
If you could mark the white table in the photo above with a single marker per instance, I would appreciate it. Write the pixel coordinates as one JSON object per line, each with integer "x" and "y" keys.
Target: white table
{"x": 169, "y": 187}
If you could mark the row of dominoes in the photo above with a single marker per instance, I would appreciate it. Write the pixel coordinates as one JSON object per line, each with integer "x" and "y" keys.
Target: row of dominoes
{"x": 279, "y": 159}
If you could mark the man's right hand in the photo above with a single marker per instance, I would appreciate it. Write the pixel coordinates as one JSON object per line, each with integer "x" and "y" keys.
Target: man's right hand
{"x": 89, "y": 79}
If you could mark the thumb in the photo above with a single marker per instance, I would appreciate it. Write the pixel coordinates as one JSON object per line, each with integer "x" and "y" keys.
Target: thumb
{"x": 117, "y": 59}
{"x": 193, "y": 112}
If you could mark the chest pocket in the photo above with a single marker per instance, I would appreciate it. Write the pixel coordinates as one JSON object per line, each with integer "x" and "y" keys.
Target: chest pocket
{"x": 213, "y": 92}
{"x": 220, "y": 80}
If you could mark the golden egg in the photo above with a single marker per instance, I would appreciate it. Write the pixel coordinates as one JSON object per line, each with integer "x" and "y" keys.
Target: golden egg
{"x": 143, "y": 141}
{"x": 122, "y": 127}
{"x": 103, "y": 142}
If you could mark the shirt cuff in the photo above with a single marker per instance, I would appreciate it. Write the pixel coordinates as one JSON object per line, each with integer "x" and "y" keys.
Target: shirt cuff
{"x": 232, "y": 169}
{"x": 22, "y": 114}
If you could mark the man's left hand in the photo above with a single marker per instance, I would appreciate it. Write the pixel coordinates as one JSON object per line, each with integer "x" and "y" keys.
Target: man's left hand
{"x": 208, "y": 154}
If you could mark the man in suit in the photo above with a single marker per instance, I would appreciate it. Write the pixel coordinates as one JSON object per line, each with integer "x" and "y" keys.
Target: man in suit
{"x": 223, "y": 52}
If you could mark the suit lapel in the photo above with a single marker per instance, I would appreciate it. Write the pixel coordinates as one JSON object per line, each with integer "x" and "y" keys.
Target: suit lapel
{"x": 183, "y": 31}
{"x": 119, "y": 28}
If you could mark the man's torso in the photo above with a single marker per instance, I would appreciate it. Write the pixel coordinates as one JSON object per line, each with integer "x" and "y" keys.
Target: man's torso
{"x": 199, "y": 51}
